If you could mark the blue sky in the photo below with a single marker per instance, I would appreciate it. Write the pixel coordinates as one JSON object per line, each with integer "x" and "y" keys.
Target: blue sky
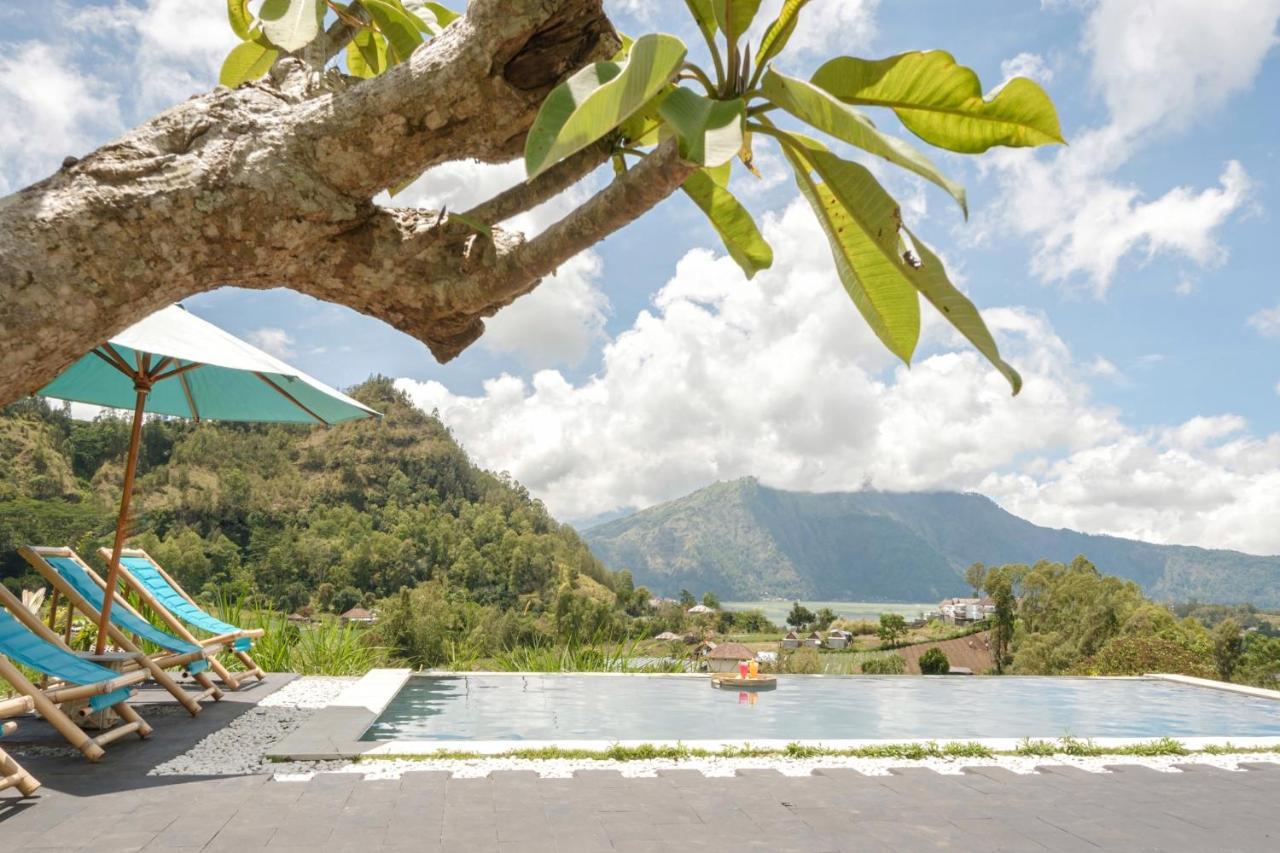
{"x": 1126, "y": 276}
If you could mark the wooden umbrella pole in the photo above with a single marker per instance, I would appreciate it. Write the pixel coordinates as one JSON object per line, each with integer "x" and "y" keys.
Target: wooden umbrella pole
{"x": 143, "y": 387}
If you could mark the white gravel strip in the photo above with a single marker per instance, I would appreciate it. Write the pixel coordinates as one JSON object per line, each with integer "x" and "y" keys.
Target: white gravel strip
{"x": 239, "y": 748}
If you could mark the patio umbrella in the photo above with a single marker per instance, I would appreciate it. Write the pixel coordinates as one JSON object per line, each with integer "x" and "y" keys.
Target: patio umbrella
{"x": 174, "y": 363}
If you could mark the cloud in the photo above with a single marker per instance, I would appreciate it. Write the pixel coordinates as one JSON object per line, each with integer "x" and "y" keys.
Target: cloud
{"x": 564, "y": 317}
{"x": 1030, "y": 65}
{"x": 51, "y": 110}
{"x": 1266, "y": 322}
{"x": 781, "y": 379}
{"x": 1157, "y": 66}
{"x": 276, "y": 341}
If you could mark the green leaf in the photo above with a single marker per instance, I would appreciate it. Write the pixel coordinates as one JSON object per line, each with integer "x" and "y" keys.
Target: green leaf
{"x": 734, "y": 16}
{"x": 444, "y": 15}
{"x": 942, "y": 103}
{"x": 400, "y": 28}
{"x": 816, "y": 107}
{"x": 367, "y": 54}
{"x": 240, "y": 17}
{"x": 291, "y": 24}
{"x": 642, "y": 127}
{"x": 861, "y": 222}
{"x": 247, "y": 61}
{"x": 710, "y": 131}
{"x": 598, "y": 98}
{"x": 930, "y": 278}
{"x": 704, "y": 16}
{"x": 731, "y": 220}
{"x": 779, "y": 32}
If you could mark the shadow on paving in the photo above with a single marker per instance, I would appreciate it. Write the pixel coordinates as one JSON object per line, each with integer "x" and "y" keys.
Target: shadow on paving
{"x": 128, "y": 760}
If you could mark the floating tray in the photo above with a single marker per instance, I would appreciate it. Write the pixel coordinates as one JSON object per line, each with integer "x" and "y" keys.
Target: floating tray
{"x": 733, "y": 681}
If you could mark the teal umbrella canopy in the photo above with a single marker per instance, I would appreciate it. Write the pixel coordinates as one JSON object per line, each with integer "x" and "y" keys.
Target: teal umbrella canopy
{"x": 174, "y": 363}
{"x": 199, "y": 371}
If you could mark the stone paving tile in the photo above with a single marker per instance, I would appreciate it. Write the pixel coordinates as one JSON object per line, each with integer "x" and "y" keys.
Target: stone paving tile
{"x": 1057, "y": 809}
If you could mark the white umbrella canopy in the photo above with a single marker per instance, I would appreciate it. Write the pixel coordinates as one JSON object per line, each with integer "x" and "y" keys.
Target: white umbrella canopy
{"x": 199, "y": 371}
{"x": 174, "y": 363}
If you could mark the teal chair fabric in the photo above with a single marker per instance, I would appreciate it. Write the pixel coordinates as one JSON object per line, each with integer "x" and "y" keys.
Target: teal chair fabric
{"x": 79, "y": 580}
{"x": 19, "y": 644}
{"x": 175, "y": 602}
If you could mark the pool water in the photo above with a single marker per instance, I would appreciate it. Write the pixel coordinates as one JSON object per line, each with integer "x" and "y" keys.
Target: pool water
{"x": 653, "y": 708}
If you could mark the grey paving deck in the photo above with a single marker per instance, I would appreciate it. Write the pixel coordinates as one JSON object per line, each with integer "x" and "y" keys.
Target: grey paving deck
{"x": 115, "y": 806}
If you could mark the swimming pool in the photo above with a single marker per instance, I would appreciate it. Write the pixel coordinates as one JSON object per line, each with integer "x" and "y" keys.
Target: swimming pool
{"x": 557, "y": 708}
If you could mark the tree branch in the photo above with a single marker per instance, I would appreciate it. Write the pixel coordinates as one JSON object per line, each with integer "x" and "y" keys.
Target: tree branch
{"x": 636, "y": 191}
{"x": 256, "y": 188}
{"x": 549, "y": 184}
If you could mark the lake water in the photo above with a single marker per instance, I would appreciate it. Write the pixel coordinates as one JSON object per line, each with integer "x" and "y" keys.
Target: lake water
{"x": 776, "y": 611}
{"x": 651, "y": 708}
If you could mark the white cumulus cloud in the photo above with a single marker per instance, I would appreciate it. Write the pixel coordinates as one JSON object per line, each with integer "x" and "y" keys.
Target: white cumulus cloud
{"x": 1158, "y": 65}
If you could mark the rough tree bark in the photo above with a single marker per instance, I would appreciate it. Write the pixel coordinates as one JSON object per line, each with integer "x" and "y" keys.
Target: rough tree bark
{"x": 271, "y": 184}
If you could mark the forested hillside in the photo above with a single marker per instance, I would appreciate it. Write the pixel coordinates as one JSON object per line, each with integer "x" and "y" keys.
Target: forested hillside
{"x": 747, "y": 541}
{"x": 296, "y": 516}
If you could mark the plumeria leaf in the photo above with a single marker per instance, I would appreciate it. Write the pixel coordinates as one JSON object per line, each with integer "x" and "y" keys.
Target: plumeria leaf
{"x": 930, "y": 278}
{"x": 818, "y": 108}
{"x": 779, "y": 32}
{"x": 941, "y": 101}
{"x": 367, "y": 54}
{"x": 861, "y": 222}
{"x": 730, "y": 219}
{"x": 733, "y": 17}
{"x": 710, "y": 132}
{"x": 598, "y": 98}
{"x": 291, "y": 24}
{"x": 247, "y": 61}
{"x": 240, "y": 17}
{"x": 401, "y": 29}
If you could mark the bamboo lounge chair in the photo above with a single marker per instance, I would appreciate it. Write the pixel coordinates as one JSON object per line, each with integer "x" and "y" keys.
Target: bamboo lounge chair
{"x": 170, "y": 601}
{"x": 25, "y": 640}
{"x": 11, "y": 772}
{"x": 72, "y": 578}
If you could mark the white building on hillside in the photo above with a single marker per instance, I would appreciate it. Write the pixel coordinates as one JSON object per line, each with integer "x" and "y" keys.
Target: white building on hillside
{"x": 961, "y": 610}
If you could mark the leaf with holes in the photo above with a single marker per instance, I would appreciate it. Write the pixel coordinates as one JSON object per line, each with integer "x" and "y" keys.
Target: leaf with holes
{"x": 861, "y": 223}
{"x": 941, "y": 101}
{"x": 930, "y": 278}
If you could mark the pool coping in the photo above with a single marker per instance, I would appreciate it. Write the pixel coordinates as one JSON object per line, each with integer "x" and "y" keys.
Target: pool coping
{"x": 333, "y": 733}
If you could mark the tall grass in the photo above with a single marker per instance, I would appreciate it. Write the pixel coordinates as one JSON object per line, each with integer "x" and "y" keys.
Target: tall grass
{"x": 325, "y": 647}
{"x": 615, "y": 657}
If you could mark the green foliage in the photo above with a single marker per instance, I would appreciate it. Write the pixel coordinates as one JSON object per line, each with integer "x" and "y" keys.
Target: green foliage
{"x": 1259, "y": 663}
{"x": 731, "y": 221}
{"x": 800, "y": 616}
{"x": 598, "y": 98}
{"x": 941, "y": 101}
{"x": 1228, "y": 647}
{"x": 999, "y": 584}
{"x": 893, "y": 627}
{"x": 934, "y": 662}
{"x": 884, "y": 665}
{"x": 710, "y": 599}
{"x": 976, "y": 577}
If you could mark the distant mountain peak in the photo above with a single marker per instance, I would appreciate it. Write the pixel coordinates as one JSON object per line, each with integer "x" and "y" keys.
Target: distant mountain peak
{"x": 747, "y": 540}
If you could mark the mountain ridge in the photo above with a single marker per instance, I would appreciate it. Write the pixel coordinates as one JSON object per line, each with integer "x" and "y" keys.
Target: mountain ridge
{"x": 745, "y": 540}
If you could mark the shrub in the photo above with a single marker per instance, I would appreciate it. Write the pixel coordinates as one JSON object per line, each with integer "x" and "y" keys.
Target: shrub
{"x": 1140, "y": 655}
{"x": 884, "y": 665}
{"x": 934, "y": 662}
